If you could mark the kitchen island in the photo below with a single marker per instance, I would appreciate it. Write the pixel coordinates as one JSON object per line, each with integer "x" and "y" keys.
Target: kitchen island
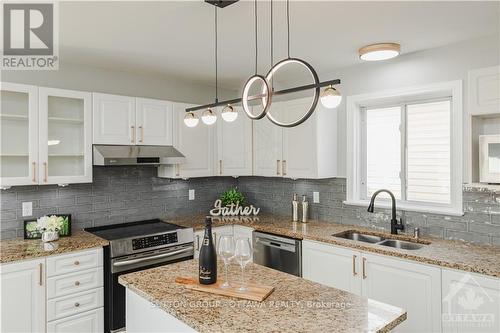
{"x": 155, "y": 303}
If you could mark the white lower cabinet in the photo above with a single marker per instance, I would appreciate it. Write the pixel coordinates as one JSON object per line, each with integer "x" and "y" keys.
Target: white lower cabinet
{"x": 471, "y": 302}
{"x": 23, "y": 296}
{"x": 62, "y": 293}
{"x": 411, "y": 286}
{"x": 236, "y": 231}
{"x": 89, "y": 321}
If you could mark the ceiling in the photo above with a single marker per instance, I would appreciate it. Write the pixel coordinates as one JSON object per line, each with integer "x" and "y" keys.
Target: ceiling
{"x": 176, "y": 38}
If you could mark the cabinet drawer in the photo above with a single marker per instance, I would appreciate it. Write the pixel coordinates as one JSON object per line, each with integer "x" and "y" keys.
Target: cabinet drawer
{"x": 73, "y": 304}
{"x": 74, "y": 262}
{"x": 89, "y": 322}
{"x": 67, "y": 284}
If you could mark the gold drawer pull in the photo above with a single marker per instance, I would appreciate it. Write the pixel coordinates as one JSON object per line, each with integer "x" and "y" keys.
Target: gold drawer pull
{"x": 354, "y": 265}
{"x": 284, "y": 168}
{"x": 40, "y": 274}
{"x": 364, "y": 272}
{"x": 133, "y": 134}
{"x": 77, "y": 283}
{"x": 76, "y": 263}
{"x": 77, "y": 304}
{"x": 45, "y": 164}
{"x": 34, "y": 172}
{"x": 278, "y": 167}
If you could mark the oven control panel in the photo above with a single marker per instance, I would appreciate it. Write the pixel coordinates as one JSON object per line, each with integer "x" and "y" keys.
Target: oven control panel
{"x": 153, "y": 241}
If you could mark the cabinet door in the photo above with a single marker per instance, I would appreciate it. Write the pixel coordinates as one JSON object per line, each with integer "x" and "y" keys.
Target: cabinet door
{"x": 196, "y": 143}
{"x": 19, "y": 134}
{"x": 299, "y": 143}
{"x": 114, "y": 119}
{"x": 89, "y": 322}
{"x": 332, "y": 266}
{"x": 65, "y": 136}
{"x": 23, "y": 296}
{"x": 154, "y": 122}
{"x": 410, "y": 286}
{"x": 471, "y": 302}
{"x": 235, "y": 146}
{"x": 484, "y": 92}
{"x": 267, "y": 148}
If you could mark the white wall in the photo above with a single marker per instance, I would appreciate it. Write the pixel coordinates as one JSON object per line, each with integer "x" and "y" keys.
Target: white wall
{"x": 82, "y": 77}
{"x": 446, "y": 63}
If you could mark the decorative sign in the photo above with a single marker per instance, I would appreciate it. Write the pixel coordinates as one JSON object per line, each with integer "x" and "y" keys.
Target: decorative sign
{"x": 233, "y": 209}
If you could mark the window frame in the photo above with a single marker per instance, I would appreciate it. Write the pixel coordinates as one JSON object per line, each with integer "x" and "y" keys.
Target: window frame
{"x": 356, "y": 160}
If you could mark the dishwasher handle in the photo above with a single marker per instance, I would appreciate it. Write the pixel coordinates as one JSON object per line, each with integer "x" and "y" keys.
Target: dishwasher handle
{"x": 276, "y": 244}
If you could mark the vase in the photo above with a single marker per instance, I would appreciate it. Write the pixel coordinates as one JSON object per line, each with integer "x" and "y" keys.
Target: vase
{"x": 50, "y": 236}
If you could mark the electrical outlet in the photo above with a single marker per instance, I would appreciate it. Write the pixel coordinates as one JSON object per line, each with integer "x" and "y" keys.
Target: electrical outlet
{"x": 27, "y": 208}
{"x": 315, "y": 197}
{"x": 191, "y": 194}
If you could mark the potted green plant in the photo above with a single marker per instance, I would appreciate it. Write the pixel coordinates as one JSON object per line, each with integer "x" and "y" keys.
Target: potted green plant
{"x": 232, "y": 196}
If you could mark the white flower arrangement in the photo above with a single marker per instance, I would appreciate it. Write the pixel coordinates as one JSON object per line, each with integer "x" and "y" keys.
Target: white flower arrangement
{"x": 49, "y": 223}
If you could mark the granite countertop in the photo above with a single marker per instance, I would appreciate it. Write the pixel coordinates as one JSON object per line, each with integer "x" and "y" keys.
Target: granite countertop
{"x": 482, "y": 259}
{"x": 296, "y": 305}
{"x": 22, "y": 249}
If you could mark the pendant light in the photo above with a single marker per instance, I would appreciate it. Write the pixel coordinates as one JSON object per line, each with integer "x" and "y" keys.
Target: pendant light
{"x": 229, "y": 113}
{"x": 330, "y": 98}
{"x": 191, "y": 119}
{"x": 208, "y": 117}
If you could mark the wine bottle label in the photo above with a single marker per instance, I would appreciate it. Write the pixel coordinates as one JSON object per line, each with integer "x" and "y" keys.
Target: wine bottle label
{"x": 205, "y": 274}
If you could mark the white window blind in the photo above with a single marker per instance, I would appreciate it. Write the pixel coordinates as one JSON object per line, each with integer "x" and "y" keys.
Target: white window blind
{"x": 407, "y": 151}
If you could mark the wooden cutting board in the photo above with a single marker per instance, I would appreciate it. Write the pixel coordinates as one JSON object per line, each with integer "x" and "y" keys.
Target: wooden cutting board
{"x": 255, "y": 292}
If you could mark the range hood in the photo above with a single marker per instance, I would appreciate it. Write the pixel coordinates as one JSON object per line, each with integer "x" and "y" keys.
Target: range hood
{"x": 136, "y": 155}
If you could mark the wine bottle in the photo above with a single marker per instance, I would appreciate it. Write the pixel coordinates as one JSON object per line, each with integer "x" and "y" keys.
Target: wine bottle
{"x": 208, "y": 256}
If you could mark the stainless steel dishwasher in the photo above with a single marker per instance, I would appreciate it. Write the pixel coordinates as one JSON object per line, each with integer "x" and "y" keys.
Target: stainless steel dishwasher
{"x": 277, "y": 252}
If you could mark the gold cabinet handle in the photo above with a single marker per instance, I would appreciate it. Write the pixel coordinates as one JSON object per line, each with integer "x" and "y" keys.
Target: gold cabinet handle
{"x": 76, "y": 263}
{"x": 46, "y": 174}
{"x": 40, "y": 274}
{"x": 364, "y": 271}
{"x": 133, "y": 134}
{"x": 284, "y": 168}
{"x": 77, "y": 304}
{"x": 278, "y": 167}
{"x": 142, "y": 134}
{"x": 34, "y": 172}
{"x": 77, "y": 283}
{"x": 220, "y": 167}
{"x": 354, "y": 273}
{"x": 177, "y": 170}
{"x": 197, "y": 242}
{"x": 215, "y": 240}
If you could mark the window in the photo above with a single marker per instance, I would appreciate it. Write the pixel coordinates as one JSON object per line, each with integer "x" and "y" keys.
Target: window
{"x": 407, "y": 151}
{"x": 409, "y": 142}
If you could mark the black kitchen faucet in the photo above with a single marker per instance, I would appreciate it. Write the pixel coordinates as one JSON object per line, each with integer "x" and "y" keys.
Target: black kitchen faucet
{"x": 395, "y": 225}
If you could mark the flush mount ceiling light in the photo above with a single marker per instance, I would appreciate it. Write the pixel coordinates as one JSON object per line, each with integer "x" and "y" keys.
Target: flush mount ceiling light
{"x": 380, "y": 51}
{"x": 330, "y": 97}
{"x": 191, "y": 120}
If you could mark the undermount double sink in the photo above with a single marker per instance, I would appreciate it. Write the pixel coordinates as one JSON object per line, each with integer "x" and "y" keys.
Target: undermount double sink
{"x": 378, "y": 240}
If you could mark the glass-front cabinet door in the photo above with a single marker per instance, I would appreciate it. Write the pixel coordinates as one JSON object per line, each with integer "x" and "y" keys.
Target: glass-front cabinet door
{"x": 18, "y": 134}
{"x": 65, "y": 136}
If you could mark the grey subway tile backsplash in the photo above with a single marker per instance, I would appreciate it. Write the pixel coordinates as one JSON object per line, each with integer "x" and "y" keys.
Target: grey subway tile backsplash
{"x": 124, "y": 194}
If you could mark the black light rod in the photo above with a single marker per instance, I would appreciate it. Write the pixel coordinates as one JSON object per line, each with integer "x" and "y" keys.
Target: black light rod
{"x": 279, "y": 92}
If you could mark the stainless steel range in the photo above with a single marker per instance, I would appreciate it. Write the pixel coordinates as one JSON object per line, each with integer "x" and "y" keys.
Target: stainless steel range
{"x": 133, "y": 247}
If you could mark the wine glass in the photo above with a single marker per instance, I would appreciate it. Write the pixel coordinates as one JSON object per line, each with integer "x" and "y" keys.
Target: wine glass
{"x": 243, "y": 255}
{"x": 226, "y": 251}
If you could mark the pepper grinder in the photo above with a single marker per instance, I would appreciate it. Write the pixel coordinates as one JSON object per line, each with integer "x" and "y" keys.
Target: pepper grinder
{"x": 295, "y": 208}
{"x": 305, "y": 209}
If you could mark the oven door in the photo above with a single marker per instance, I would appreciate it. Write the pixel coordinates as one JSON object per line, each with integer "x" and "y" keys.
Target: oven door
{"x": 133, "y": 263}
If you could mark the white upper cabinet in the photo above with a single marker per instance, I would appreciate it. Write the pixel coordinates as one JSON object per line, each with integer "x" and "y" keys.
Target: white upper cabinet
{"x": 267, "y": 148}
{"x": 308, "y": 150}
{"x": 114, "y": 119}
{"x": 154, "y": 121}
{"x": 234, "y": 146}
{"x": 484, "y": 90}
{"x": 23, "y": 296}
{"x": 197, "y": 144}
{"x": 19, "y": 134}
{"x": 65, "y": 136}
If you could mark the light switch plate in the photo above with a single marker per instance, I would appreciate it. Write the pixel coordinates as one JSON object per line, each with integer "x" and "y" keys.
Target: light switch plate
{"x": 27, "y": 209}
{"x": 191, "y": 194}
{"x": 315, "y": 197}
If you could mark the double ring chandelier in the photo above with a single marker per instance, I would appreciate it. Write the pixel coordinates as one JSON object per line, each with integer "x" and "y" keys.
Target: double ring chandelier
{"x": 330, "y": 97}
